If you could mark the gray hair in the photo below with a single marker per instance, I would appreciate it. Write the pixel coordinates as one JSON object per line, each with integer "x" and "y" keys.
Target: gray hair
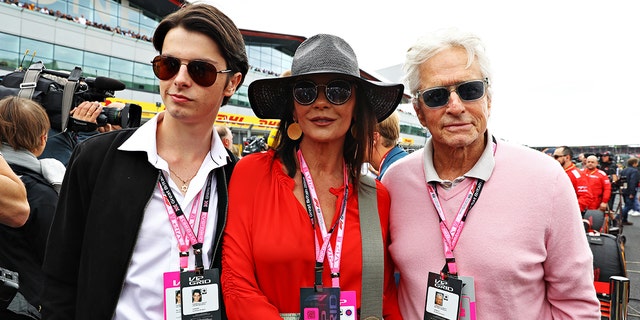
{"x": 431, "y": 44}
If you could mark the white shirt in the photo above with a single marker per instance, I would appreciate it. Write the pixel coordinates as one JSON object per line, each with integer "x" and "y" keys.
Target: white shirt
{"x": 156, "y": 250}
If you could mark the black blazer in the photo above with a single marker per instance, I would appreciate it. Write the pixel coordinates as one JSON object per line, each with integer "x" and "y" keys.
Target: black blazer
{"x": 95, "y": 228}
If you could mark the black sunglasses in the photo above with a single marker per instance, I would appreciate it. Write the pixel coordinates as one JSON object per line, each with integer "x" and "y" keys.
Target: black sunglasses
{"x": 202, "y": 72}
{"x": 467, "y": 91}
{"x": 556, "y": 156}
{"x": 337, "y": 91}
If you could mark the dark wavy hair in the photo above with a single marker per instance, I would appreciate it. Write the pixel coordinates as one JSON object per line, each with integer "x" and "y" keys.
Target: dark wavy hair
{"x": 357, "y": 144}
{"x": 211, "y": 22}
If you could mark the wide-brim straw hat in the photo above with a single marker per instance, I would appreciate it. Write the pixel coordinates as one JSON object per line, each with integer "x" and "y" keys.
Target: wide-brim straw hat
{"x": 322, "y": 54}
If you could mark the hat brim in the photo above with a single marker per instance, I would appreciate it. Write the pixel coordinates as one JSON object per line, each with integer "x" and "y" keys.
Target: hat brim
{"x": 270, "y": 98}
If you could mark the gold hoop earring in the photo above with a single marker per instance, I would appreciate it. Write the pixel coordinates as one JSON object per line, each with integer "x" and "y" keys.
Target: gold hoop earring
{"x": 294, "y": 132}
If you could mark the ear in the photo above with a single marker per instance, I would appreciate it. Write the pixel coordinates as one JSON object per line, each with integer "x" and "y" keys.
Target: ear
{"x": 232, "y": 84}
{"x": 376, "y": 137}
{"x": 43, "y": 139}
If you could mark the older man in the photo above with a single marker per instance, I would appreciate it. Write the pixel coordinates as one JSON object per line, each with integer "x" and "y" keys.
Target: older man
{"x": 467, "y": 214}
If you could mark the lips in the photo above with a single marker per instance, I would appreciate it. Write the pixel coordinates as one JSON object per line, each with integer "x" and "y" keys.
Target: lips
{"x": 179, "y": 98}
{"x": 457, "y": 126}
{"x": 322, "y": 121}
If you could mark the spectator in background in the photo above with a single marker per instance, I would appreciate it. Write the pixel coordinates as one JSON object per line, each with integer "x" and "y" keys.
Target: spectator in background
{"x": 582, "y": 161}
{"x": 549, "y": 151}
{"x": 611, "y": 170}
{"x": 23, "y": 127}
{"x": 630, "y": 193}
{"x": 579, "y": 181}
{"x": 599, "y": 185}
{"x": 537, "y": 247}
{"x": 14, "y": 207}
{"x": 227, "y": 140}
{"x": 385, "y": 144}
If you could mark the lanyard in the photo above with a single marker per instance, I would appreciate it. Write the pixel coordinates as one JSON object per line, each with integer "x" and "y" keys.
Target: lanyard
{"x": 451, "y": 236}
{"x": 315, "y": 212}
{"x": 179, "y": 222}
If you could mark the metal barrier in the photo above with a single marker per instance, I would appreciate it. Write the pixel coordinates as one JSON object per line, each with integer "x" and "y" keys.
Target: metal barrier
{"x": 619, "y": 288}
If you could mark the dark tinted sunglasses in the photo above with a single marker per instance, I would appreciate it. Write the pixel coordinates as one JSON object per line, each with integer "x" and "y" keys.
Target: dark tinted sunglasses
{"x": 467, "y": 91}
{"x": 202, "y": 72}
{"x": 337, "y": 91}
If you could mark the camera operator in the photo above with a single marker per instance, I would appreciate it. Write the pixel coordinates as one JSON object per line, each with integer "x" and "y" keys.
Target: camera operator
{"x": 609, "y": 167}
{"x": 629, "y": 193}
{"x": 61, "y": 144}
{"x": 13, "y": 197}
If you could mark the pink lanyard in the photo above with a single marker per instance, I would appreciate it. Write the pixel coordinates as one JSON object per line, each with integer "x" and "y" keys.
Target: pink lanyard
{"x": 180, "y": 223}
{"x": 451, "y": 236}
{"x": 314, "y": 209}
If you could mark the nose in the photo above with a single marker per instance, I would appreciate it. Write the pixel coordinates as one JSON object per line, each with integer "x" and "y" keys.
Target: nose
{"x": 454, "y": 105}
{"x": 182, "y": 78}
{"x": 321, "y": 99}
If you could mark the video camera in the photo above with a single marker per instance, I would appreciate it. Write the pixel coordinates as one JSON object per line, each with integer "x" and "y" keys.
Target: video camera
{"x": 254, "y": 144}
{"x": 59, "y": 92}
{"x": 622, "y": 183}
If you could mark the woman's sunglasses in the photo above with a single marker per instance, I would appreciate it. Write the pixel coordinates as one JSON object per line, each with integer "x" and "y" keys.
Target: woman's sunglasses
{"x": 467, "y": 91}
{"x": 202, "y": 72}
{"x": 337, "y": 92}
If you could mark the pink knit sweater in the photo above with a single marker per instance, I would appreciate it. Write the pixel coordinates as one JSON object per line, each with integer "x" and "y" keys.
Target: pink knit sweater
{"x": 523, "y": 241}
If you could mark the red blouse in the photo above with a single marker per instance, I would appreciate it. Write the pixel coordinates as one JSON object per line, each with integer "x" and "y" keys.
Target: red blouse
{"x": 268, "y": 248}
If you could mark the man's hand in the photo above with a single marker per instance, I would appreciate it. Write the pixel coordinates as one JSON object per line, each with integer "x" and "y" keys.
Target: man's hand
{"x": 87, "y": 111}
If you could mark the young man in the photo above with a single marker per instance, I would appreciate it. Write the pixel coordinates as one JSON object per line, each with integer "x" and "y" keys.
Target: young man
{"x": 118, "y": 245}
{"x": 466, "y": 205}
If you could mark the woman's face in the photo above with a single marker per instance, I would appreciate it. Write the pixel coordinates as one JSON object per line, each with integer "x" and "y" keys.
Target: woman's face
{"x": 197, "y": 297}
{"x": 321, "y": 120}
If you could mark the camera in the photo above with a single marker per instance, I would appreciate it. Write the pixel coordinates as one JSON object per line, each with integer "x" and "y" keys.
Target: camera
{"x": 8, "y": 287}
{"x": 60, "y": 91}
{"x": 622, "y": 183}
{"x": 99, "y": 89}
{"x": 128, "y": 116}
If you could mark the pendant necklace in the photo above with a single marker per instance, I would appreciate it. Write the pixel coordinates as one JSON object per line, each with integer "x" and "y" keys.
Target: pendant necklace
{"x": 185, "y": 183}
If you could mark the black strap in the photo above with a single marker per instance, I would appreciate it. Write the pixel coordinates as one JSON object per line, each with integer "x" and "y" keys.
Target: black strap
{"x": 67, "y": 95}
